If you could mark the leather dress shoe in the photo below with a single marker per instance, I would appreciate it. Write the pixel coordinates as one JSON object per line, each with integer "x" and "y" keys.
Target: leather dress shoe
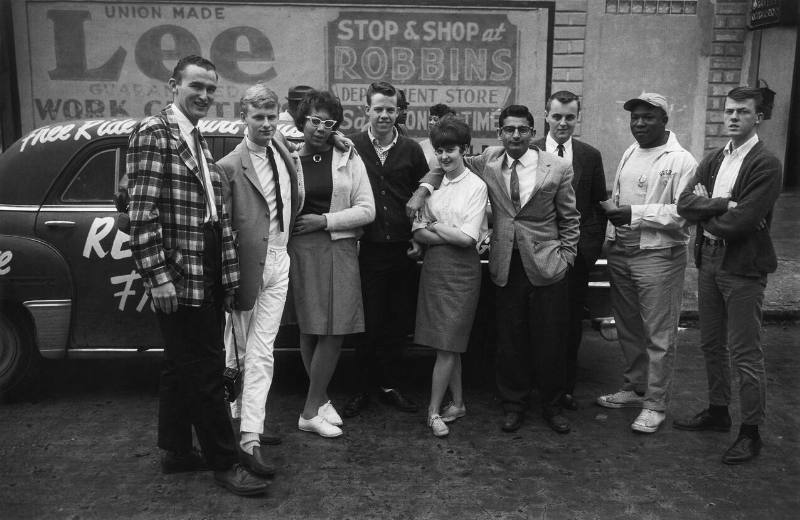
{"x": 744, "y": 449}
{"x": 257, "y": 462}
{"x": 704, "y": 421}
{"x": 558, "y": 423}
{"x": 270, "y": 439}
{"x": 394, "y": 398}
{"x": 193, "y": 460}
{"x": 511, "y": 422}
{"x": 568, "y": 401}
{"x": 356, "y": 404}
{"x": 239, "y": 481}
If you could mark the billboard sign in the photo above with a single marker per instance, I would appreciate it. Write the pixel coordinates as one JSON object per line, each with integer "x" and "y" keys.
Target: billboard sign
{"x": 112, "y": 59}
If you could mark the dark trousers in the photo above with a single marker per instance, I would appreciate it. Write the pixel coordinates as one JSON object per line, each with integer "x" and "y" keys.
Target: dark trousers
{"x": 730, "y": 327}
{"x": 191, "y": 390}
{"x": 389, "y": 285}
{"x": 531, "y": 330}
{"x": 578, "y": 287}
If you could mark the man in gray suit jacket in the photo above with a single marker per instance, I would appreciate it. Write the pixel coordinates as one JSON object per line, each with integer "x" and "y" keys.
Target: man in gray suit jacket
{"x": 534, "y": 243}
{"x": 262, "y": 190}
{"x": 589, "y": 183}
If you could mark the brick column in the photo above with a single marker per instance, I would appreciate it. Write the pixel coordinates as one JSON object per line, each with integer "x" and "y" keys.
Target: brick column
{"x": 569, "y": 36}
{"x": 727, "y": 49}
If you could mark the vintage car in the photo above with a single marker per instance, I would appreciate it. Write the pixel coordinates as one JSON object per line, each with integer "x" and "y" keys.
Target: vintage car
{"x": 68, "y": 286}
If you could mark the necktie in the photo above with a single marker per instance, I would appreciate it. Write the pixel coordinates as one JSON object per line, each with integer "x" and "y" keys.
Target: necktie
{"x": 514, "y": 185}
{"x": 209, "y": 192}
{"x": 560, "y": 149}
{"x": 276, "y": 179}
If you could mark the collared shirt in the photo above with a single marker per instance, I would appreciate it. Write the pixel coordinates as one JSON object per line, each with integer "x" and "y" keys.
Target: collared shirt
{"x": 731, "y": 164}
{"x": 288, "y": 128}
{"x": 258, "y": 155}
{"x": 380, "y": 150}
{"x": 459, "y": 203}
{"x": 729, "y": 170}
{"x": 551, "y": 145}
{"x": 526, "y": 171}
{"x": 186, "y": 128}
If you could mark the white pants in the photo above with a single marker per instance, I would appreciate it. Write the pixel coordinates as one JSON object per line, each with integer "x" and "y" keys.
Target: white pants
{"x": 255, "y": 337}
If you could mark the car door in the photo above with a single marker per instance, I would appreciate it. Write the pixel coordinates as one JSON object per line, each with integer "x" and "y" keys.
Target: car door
{"x": 111, "y": 308}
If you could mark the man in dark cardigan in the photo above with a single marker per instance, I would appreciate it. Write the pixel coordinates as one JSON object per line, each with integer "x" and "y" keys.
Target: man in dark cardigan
{"x": 731, "y": 199}
{"x": 395, "y": 164}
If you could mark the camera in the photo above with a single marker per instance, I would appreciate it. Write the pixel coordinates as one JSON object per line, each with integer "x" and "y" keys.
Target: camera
{"x": 232, "y": 380}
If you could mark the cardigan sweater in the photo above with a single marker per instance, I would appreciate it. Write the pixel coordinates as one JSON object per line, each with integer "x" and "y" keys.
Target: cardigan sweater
{"x": 745, "y": 228}
{"x": 393, "y": 183}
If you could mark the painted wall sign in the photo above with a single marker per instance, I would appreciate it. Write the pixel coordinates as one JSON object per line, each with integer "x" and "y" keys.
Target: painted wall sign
{"x": 84, "y": 60}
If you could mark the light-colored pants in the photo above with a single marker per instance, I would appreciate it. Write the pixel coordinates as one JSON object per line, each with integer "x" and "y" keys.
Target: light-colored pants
{"x": 646, "y": 292}
{"x": 730, "y": 324}
{"x": 256, "y": 330}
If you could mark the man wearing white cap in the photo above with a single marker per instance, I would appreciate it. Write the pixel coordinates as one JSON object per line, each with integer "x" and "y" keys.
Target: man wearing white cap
{"x": 647, "y": 258}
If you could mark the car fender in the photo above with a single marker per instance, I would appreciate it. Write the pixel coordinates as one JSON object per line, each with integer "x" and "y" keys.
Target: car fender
{"x": 34, "y": 276}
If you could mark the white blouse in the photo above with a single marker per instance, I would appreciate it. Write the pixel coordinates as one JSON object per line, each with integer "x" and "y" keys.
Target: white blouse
{"x": 459, "y": 203}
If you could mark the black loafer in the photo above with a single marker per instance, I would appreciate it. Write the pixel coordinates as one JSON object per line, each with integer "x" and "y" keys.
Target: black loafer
{"x": 704, "y": 421}
{"x": 241, "y": 482}
{"x": 356, "y": 404}
{"x": 172, "y": 462}
{"x": 394, "y": 398}
{"x": 558, "y": 423}
{"x": 744, "y": 449}
{"x": 568, "y": 401}
{"x": 268, "y": 439}
{"x": 511, "y": 422}
{"x": 257, "y": 462}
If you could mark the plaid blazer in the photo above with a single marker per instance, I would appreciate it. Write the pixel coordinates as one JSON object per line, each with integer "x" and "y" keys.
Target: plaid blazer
{"x": 167, "y": 209}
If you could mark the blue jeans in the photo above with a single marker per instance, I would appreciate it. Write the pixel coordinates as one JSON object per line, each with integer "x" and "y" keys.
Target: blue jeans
{"x": 646, "y": 292}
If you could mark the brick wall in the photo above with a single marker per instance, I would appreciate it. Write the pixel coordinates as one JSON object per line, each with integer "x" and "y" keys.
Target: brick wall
{"x": 727, "y": 50}
{"x": 569, "y": 36}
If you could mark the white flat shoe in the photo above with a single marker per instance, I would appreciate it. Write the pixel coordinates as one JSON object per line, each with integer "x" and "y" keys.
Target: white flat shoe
{"x": 319, "y": 426}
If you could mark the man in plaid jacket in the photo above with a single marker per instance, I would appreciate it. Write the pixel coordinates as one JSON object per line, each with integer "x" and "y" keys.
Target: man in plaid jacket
{"x": 184, "y": 251}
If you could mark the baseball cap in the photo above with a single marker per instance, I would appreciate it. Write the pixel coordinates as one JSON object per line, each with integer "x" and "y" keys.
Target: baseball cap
{"x": 648, "y": 98}
{"x": 297, "y": 93}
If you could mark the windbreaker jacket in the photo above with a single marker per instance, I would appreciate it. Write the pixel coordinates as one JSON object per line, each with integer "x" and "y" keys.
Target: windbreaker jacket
{"x": 658, "y": 220}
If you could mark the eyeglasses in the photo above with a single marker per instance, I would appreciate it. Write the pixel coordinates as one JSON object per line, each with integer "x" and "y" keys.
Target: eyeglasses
{"x": 327, "y": 123}
{"x": 523, "y": 130}
{"x": 433, "y": 120}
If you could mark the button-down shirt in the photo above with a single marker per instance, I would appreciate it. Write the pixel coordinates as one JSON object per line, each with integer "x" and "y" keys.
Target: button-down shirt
{"x": 729, "y": 170}
{"x": 526, "y": 171}
{"x": 186, "y": 128}
{"x": 258, "y": 156}
{"x": 380, "y": 150}
{"x": 551, "y": 145}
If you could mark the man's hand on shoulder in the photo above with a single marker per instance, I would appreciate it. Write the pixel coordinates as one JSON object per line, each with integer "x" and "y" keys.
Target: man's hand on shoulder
{"x": 165, "y": 298}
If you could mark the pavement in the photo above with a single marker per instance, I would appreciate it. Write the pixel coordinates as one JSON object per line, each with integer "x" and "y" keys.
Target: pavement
{"x": 87, "y": 450}
{"x": 782, "y": 295}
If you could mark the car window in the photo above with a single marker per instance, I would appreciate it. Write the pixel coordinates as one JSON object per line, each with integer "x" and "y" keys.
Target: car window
{"x": 96, "y": 181}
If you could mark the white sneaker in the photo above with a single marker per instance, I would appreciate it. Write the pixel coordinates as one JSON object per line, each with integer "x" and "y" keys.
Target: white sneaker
{"x": 452, "y": 412}
{"x": 319, "y": 426}
{"x": 329, "y": 413}
{"x": 621, "y": 399}
{"x": 438, "y": 426}
{"x": 648, "y": 421}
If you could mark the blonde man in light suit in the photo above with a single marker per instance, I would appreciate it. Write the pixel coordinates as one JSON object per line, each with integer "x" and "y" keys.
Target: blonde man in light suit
{"x": 262, "y": 189}
{"x": 533, "y": 245}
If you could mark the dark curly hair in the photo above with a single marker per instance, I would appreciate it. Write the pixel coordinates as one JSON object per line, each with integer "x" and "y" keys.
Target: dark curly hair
{"x": 320, "y": 100}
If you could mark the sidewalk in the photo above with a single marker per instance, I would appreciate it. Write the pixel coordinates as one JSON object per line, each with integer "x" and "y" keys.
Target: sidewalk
{"x": 782, "y": 296}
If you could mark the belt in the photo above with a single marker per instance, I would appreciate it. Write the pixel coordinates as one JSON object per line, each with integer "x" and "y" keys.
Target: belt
{"x": 714, "y": 242}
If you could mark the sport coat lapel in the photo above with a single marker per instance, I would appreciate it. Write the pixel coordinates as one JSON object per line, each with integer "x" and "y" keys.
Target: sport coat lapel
{"x": 184, "y": 152}
{"x": 249, "y": 171}
{"x": 495, "y": 167}
{"x": 543, "y": 170}
{"x": 578, "y": 159}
